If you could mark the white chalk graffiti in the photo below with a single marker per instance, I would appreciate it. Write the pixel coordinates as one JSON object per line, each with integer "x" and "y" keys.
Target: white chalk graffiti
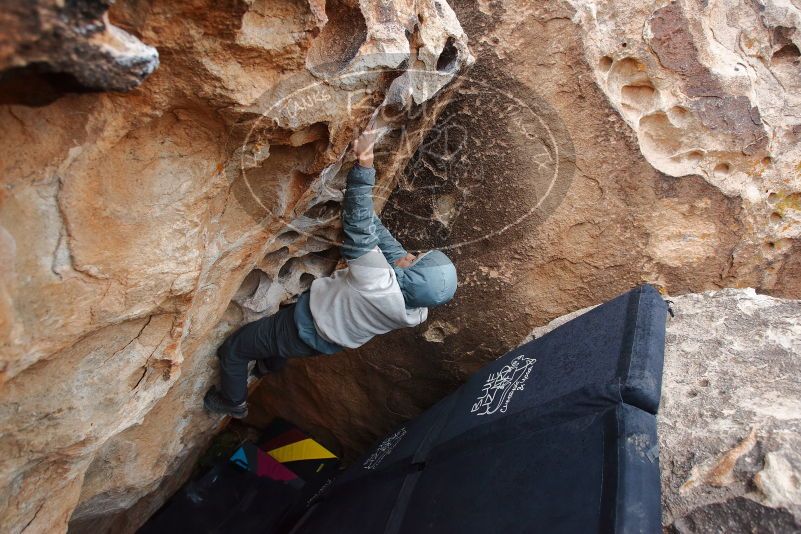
{"x": 384, "y": 449}
{"x": 500, "y": 387}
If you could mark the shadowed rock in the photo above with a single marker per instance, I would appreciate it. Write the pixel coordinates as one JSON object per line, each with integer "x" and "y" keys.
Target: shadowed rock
{"x": 48, "y": 46}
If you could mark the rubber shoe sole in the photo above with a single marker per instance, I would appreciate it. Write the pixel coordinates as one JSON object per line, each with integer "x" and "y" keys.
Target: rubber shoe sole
{"x": 215, "y": 403}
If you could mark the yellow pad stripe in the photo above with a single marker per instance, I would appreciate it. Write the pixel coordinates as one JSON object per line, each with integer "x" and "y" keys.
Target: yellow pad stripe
{"x": 307, "y": 449}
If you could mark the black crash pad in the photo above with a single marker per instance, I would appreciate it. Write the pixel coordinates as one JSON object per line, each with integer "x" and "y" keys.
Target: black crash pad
{"x": 558, "y": 435}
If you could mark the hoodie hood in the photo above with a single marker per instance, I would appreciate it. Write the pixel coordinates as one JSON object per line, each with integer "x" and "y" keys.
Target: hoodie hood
{"x": 430, "y": 281}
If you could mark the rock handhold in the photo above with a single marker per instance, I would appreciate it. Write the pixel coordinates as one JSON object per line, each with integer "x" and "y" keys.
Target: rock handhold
{"x": 74, "y": 38}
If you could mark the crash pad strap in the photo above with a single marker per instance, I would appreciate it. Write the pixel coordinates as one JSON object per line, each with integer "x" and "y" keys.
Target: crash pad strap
{"x": 611, "y": 467}
{"x": 434, "y": 431}
{"x": 402, "y": 502}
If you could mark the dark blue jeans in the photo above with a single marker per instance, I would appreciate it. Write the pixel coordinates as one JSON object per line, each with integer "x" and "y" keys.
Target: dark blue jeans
{"x": 273, "y": 339}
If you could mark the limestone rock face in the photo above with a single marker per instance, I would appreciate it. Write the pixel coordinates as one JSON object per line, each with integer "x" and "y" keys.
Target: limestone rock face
{"x": 730, "y": 415}
{"x": 552, "y": 192}
{"x": 593, "y": 146}
{"x": 730, "y": 421}
{"x": 710, "y": 89}
{"x": 137, "y": 230}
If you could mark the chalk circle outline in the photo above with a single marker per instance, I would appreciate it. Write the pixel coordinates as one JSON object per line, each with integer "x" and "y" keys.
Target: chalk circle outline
{"x": 556, "y": 155}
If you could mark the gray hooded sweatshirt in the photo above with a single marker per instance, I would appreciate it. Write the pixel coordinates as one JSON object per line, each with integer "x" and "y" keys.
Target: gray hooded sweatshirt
{"x": 371, "y": 296}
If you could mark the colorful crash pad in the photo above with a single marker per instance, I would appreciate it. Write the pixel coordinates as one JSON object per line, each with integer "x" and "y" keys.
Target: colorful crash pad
{"x": 252, "y": 490}
{"x": 255, "y": 460}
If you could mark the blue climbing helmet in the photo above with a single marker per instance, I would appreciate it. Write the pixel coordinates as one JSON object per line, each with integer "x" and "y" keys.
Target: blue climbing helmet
{"x": 429, "y": 281}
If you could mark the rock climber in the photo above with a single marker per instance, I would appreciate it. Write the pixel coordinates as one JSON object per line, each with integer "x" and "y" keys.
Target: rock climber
{"x": 383, "y": 288}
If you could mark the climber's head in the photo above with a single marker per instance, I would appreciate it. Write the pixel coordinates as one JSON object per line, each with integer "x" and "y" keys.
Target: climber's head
{"x": 429, "y": 280}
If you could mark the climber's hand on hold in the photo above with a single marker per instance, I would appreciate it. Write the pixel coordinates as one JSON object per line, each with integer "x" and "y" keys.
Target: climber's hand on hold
{"x": 406, "y": 261}
{"x": 363, "y": 147}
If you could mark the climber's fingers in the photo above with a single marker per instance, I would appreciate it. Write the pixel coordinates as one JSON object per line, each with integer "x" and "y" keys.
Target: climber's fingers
{"x": 364, "y": 143}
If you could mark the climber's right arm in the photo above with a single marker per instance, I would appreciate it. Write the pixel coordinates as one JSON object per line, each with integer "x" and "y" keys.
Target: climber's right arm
{"x": 357, "y": 213}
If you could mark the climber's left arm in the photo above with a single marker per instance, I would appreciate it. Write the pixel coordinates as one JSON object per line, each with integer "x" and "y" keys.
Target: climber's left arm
{"x": 361, "y": 180}
{"x": 390, "y": 247}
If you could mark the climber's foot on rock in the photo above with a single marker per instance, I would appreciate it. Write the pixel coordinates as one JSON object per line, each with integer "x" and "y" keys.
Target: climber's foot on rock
{"x": 215, "y": 402}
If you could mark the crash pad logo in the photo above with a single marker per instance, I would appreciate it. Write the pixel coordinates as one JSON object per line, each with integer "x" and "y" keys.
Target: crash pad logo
{"x": 384, "y": 449}
{"x": 500, "y": 387}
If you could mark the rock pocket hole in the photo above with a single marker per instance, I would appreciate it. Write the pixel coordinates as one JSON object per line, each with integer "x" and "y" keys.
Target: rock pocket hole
{"x": 339, "y": 41}
{"x": 286, "y": 269}
{"x": 306, "y": 280}
{"x": 447, "y": 59}
{"x": 274, "y": 258}
{"x": 252, "y": 295}
{"x": 249, "y": 285}
{"x": 605, "y": 63}
{"x": 695, "y": 156}
{"x": 36, "y": 85}
{"x": 776, "y": 217}
{"x": 323, "y": 211}
{"x": 316, "y": 132}
{"x": 288, "y": 237}
{"x": 788, "y": 54}
{"x": 722, "y": 170}
{"x": 679, "y": 115}
{"x": 641, "y": 96}
{"x": 660, "y": 136}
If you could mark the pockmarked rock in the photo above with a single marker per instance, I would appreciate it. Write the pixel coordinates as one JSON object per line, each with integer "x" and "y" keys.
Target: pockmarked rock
{"x": 730, "y": 423}
{"x": 593, "y": 146}
{"x": 709, "y": 89}
{"x": 138, "y": 229}
{"x": 576, "y": 160}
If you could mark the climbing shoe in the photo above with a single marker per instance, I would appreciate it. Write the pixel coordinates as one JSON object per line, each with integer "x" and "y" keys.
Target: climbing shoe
{"x": 215, "y": 402}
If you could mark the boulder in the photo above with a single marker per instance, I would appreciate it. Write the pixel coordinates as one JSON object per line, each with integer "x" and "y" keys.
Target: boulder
{"x": 730, "y": 422}
{"x": 47, "y": 44}
{"x": 594, "y": 145}
{"x": 138, "y": 229}
{"x": 552, "y": 192}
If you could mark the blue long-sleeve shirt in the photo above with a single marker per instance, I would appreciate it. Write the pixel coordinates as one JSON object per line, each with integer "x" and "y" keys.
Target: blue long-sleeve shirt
{"x": 353, "y": 305}
{"x": 362, "y": 228}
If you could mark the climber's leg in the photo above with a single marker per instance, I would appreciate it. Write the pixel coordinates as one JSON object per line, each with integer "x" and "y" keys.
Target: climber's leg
{"x": 253, "y": 341}
{"x": 272, "y": 339}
